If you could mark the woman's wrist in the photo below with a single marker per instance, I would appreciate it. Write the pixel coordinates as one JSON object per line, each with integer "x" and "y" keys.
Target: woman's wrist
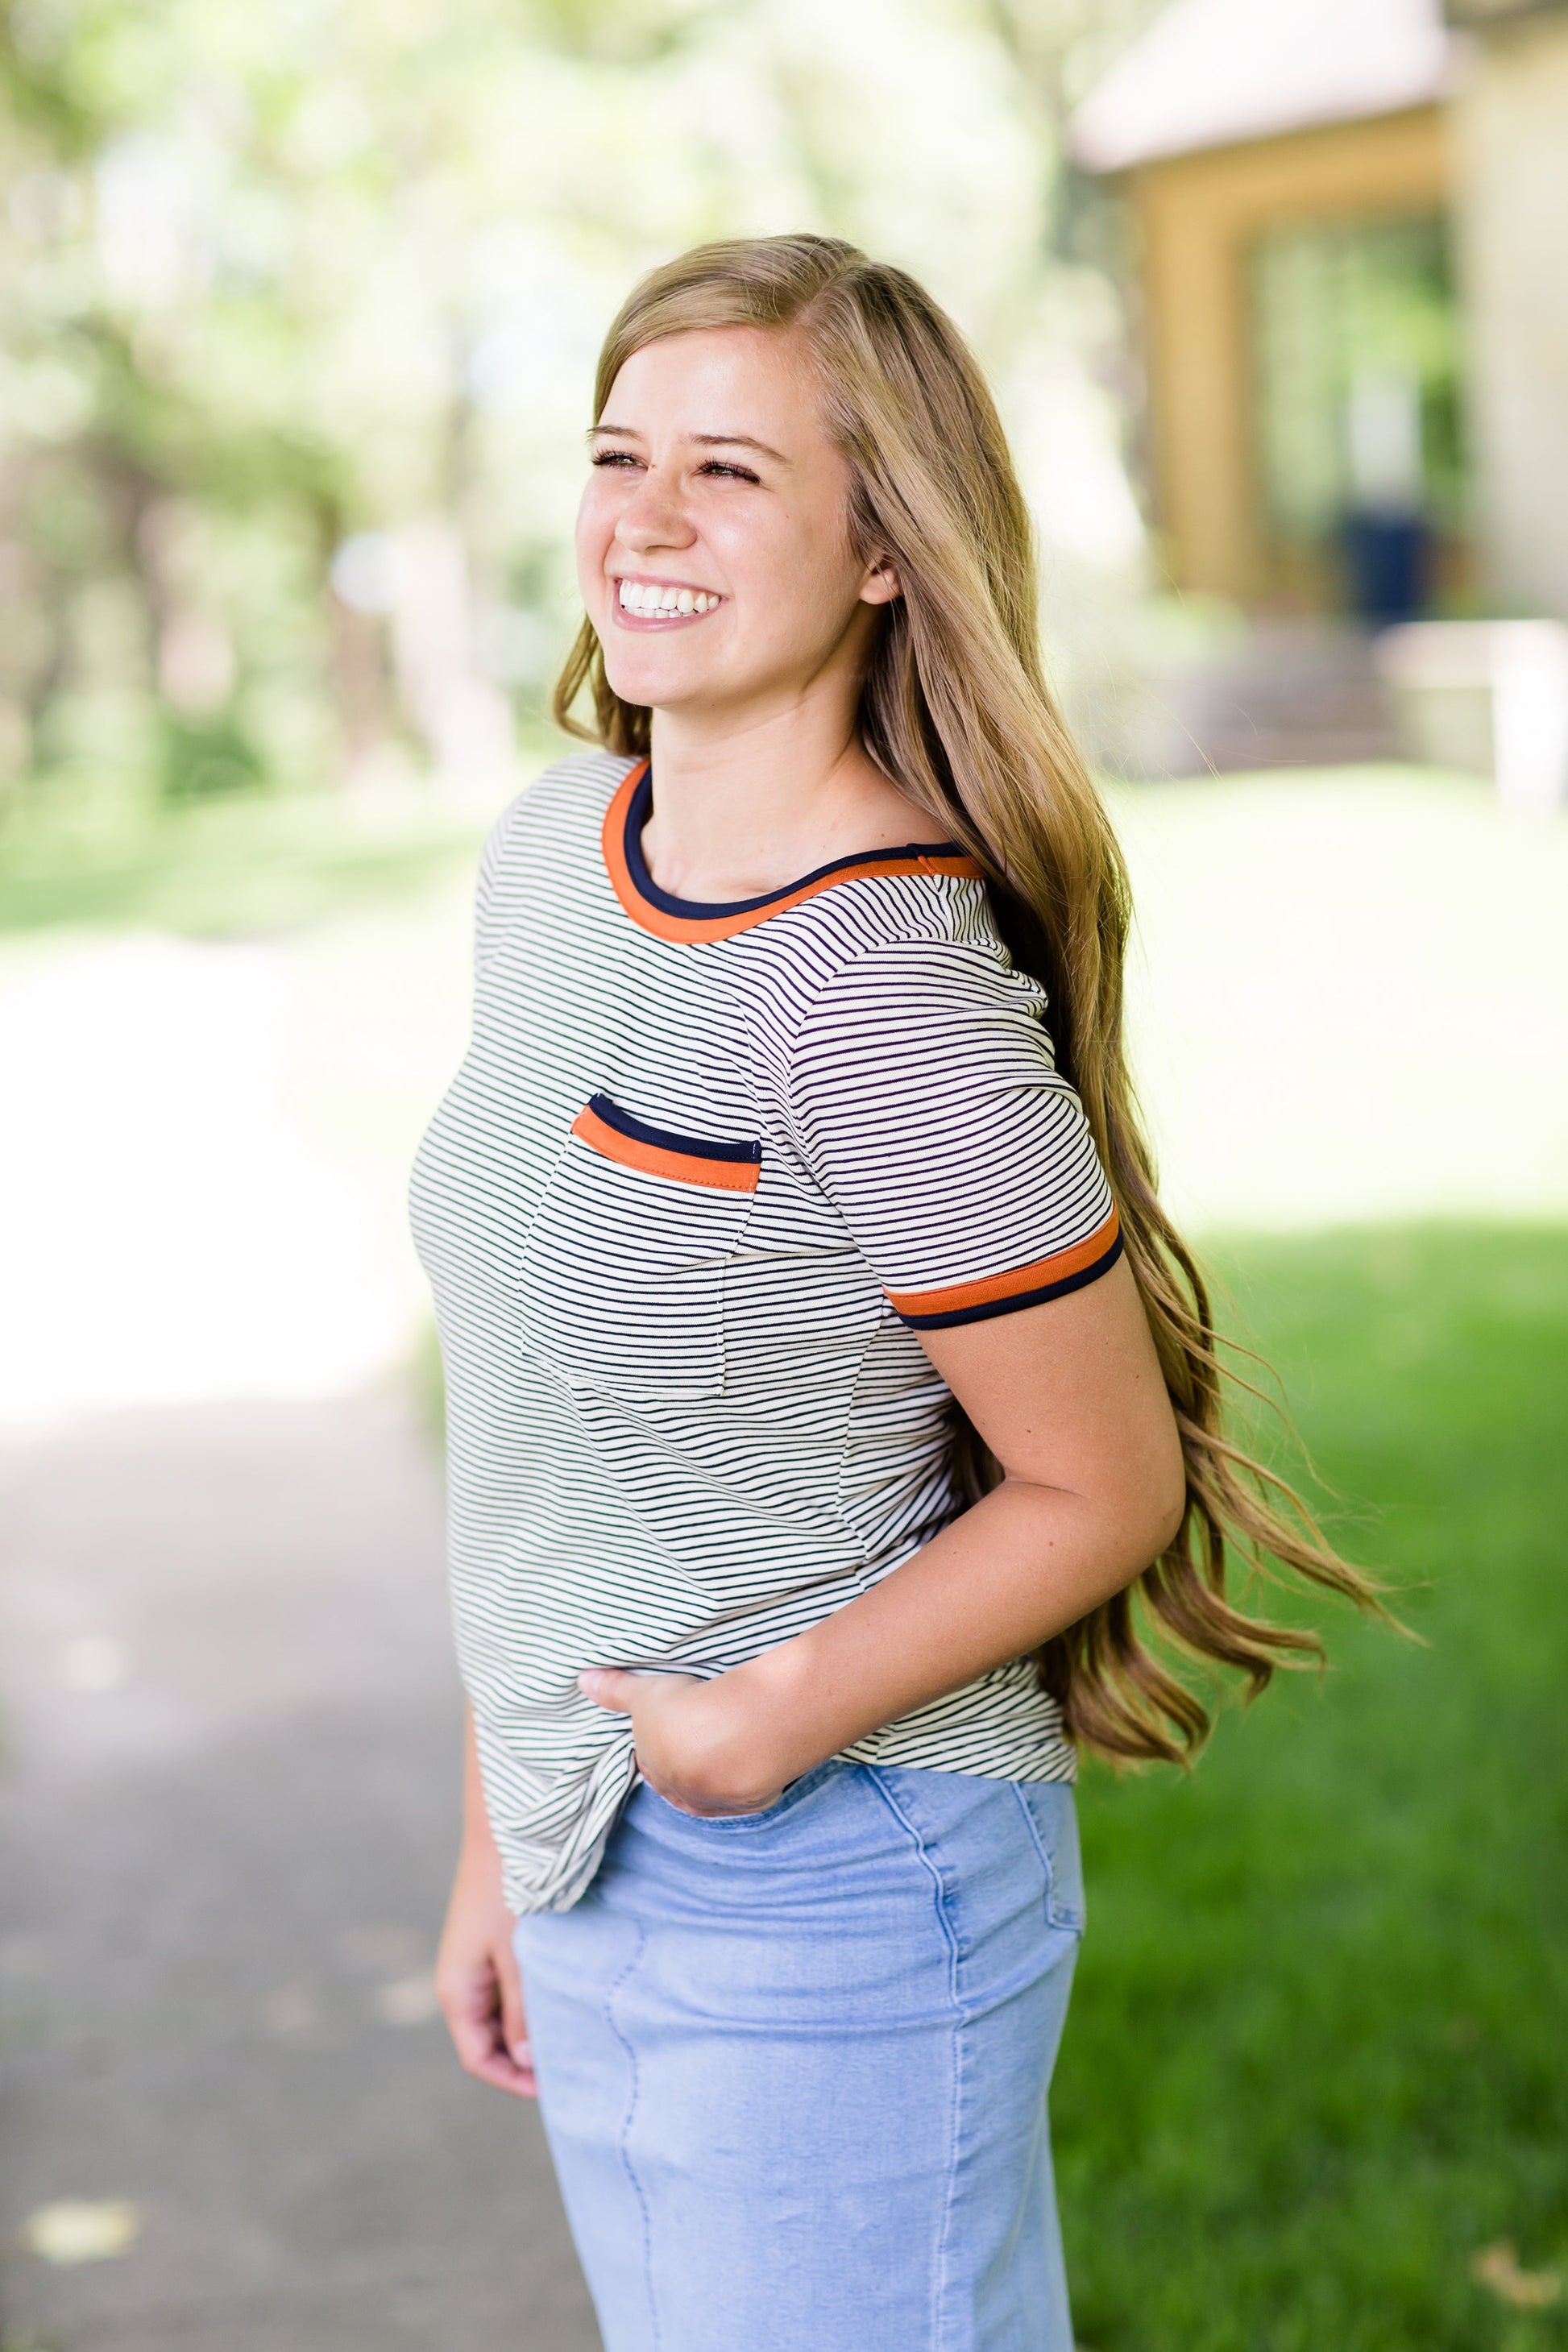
{"x": 479, "y": 1859}
{"x": 730, "y": 1743}
{"x": 776, "y": 1728}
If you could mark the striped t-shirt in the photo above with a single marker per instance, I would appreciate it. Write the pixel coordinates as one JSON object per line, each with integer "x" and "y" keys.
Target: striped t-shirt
{"x": 705, "y": 1174}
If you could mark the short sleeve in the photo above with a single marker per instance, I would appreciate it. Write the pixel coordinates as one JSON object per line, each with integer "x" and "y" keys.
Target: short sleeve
{"x": 924, "y": 1096}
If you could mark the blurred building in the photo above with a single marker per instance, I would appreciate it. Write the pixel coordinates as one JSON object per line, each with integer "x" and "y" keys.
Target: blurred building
{"x": 1355, "y": 298}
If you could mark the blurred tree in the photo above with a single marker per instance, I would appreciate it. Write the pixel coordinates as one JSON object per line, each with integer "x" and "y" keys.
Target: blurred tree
{"x": 299, "y": 313}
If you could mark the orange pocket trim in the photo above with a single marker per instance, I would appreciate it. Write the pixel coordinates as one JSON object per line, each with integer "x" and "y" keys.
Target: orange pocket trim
{"x": 656, "y": 1159}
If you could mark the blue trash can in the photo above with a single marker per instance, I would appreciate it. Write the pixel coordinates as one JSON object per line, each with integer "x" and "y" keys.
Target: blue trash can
{"x": 1387, "y": 563}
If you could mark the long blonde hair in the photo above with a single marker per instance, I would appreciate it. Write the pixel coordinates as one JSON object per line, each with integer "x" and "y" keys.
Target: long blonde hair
{"x": 955, "y": 709}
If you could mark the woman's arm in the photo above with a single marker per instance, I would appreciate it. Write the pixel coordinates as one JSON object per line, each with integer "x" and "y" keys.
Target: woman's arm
{"x": 477, "y": 1980}
{"x": 1069, "y": 1398}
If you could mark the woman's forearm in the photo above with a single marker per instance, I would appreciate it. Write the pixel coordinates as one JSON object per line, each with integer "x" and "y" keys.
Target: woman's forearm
{"x": 1021, "y": 1565}
{"x": 479, "y": 1839}
{"x": 1069, "y": 1397}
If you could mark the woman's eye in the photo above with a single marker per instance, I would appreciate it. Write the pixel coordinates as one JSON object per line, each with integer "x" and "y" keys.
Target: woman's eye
{"x": 731, "y": 473}
{"x": 614, "y": 458}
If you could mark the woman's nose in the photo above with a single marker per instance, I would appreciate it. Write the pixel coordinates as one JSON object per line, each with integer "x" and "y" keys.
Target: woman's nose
{"x": 653, "y": 515}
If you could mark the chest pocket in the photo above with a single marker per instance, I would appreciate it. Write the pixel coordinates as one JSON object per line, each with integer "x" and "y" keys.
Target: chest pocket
{"x": 622, "y": 1273}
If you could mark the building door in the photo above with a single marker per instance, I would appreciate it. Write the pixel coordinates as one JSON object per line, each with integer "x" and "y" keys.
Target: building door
{"x": 1357, "y": 413}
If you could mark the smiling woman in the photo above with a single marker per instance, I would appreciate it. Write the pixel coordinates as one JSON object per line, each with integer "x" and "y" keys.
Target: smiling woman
{"x": 822, "y": 1370}
{"x": 743, "y": 529}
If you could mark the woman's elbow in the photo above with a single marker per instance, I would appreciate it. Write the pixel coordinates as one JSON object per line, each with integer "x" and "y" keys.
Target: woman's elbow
{"x": 1140, "y": 1516}
{"x": 1170, "y": 1515}
{"x": 1160, "y": 1508}
{"x": 1140, "y": 1530}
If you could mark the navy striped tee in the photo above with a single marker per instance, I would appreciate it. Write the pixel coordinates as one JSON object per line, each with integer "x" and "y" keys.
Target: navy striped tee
{"x": 705, "y": 1174}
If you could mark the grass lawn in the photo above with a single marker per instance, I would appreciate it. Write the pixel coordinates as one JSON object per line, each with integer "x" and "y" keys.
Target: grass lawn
{"x": 252, "y": 862}
{"x": 1318, "y": 2055}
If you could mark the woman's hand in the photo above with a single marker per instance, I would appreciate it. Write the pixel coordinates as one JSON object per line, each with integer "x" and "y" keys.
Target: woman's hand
{"x": 699, "y": 1743}
{"x": 477, "y": 1980}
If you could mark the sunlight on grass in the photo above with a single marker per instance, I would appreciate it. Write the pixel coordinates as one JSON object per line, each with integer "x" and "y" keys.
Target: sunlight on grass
{"x": 250, "y": 863}
{"x": 1348, "y": 998}
{"x": 1314, "y": 2068}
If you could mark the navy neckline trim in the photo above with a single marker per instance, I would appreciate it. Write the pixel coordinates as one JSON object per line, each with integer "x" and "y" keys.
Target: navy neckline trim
{"x": 639, "y": 808}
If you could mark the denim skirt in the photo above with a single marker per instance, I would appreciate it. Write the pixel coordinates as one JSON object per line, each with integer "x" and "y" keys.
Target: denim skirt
{"x": 793, "y": 2066}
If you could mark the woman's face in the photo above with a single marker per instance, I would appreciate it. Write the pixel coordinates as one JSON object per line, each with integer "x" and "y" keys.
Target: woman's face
{"x": 713, "y": 542}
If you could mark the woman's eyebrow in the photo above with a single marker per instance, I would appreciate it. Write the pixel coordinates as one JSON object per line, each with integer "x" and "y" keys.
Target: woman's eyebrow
{"x": 703, "y": 440}
{"x": 738, "y": 441}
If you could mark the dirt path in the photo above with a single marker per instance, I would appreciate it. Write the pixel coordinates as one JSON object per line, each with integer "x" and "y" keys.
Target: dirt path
{"x": 227, "y": 1820}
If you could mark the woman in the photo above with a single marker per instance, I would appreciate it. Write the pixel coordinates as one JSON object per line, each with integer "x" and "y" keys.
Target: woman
{"x": 824, "y": 1376}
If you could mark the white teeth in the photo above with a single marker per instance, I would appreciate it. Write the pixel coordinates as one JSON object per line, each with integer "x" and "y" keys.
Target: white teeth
{"x": 645, "y": 596}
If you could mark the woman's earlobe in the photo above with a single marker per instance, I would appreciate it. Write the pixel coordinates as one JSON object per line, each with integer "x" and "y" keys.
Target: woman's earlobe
{"x": 882, "y": 585}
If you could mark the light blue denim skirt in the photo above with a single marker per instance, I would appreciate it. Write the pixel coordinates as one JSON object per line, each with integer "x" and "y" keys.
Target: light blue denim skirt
{"x": 793, "y": 2067}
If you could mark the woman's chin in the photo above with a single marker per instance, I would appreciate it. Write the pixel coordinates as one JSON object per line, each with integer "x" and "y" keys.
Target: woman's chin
{"x": 654, "y": 681}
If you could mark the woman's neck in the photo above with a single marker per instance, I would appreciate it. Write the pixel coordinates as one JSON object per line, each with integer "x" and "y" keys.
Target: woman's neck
{"x": 750, "y": 803}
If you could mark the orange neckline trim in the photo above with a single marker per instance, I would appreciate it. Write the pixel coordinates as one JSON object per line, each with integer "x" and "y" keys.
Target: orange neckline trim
{"x": 697, "y": 928}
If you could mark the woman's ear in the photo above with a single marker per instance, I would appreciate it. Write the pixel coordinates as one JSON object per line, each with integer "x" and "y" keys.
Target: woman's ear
{"x": 881, "y": 583}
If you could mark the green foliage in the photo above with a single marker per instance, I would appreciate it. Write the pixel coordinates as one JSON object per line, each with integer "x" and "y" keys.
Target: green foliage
{"x": 263, "y": 290}
{"x": 206, "y": 756}
{"x": 1314, "y": 2065}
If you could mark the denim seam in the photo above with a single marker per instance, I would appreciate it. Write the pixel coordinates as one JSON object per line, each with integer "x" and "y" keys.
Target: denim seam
{"x": 1047, "y": 1862}
{"x": 622, "y": 2149}
{"x": 939, "y": 2276}
{"x": 1054, "y": 1916}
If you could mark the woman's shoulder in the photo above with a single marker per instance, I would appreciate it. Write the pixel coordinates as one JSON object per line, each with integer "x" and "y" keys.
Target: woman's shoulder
{"x": 567, "y": 798}
{"x": 906, "y": 966}
{"x": 921, "y": 929}
{"x": 546, "y": 834}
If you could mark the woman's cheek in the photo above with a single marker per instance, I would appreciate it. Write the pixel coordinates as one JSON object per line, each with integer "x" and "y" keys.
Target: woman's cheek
{"x": 595, "y": 529}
